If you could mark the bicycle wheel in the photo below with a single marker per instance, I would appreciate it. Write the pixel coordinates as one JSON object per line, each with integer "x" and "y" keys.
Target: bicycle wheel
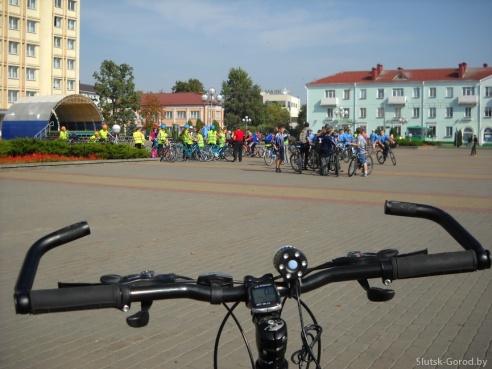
{"x": 370, "y": 164}
{"x": 313, "y": 159}
{"x": 334, "y": 163}
{"x": 207, "y": 152}
{"x": 380, "y": 157}
{"x": 392, "y": 156}
{"x": 296, "y": 162}
{"x": 269, "y": 157}
{"x": 260, "y": 151}
{"x": 227, "y": 153}
{"x": 346, "y": 154}
{"x": 352, "y": 166}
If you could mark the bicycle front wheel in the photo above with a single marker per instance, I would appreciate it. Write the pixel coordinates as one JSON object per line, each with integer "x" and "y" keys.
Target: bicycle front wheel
{"x": 296, "y": 162}
{"x": 313, "y": 159}
{"x": 392, "y": 156}
{"x": 346, "y": 155}
{"x": 352, "y": 166}
{"x": 370, "y": 164}
{"x": 380, "y": 157}
{"x": 260, "y": 151}
{"x": 269, "y": 157}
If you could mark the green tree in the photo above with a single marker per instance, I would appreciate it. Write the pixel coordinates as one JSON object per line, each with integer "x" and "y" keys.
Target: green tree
{"x": 277, "y": 115}
{"x": 459, "y": 138}
{"x": 118, "y": 99}
{"x": 193, "y": 85}
{"x": 301, "y": 119}
{"x": 242, "y": 98}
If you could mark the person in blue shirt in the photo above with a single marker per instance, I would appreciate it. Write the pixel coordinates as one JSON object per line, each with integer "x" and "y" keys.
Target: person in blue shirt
{"x": 373, "y": 137}
{"x": 326, "y": 141}
{"x": 341, "y": 136}
{"x": 349, "y": 137}
{"x": 204, "y": 132}
{"x": 383, "y": 142}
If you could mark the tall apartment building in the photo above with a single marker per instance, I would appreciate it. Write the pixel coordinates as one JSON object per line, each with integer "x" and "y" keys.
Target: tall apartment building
{"x": 439, "y": 102}
{"x": 40, "y": 49}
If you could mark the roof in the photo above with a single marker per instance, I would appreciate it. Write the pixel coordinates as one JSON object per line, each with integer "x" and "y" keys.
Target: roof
{"x": 399, "y": 75}
{"x": 174, "y": 99}
{"x": 68, "y": 108}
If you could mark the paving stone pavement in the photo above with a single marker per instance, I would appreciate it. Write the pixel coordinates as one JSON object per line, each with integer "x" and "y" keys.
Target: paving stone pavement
{"x": 190, "y": 218}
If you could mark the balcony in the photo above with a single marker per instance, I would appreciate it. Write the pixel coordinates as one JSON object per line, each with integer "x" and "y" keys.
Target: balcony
{"x": 329, "y": 101}
{"x": 468, "y": 100}
{"x": 397, "y": 100}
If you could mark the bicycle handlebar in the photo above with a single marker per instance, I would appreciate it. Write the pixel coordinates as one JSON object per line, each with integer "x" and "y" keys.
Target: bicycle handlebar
{"x": 121, "y": 296}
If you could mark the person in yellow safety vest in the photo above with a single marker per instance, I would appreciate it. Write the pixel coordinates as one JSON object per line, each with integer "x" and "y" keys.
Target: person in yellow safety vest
{"x": 222, "y": 137}
{"x": 186, "y": 136}
{"x": 94, "y": 137}
{"x": 63, "y": 133}
{"x": 103, "y": 132}
{"x": 138, "y": 138}
{"x": 212, "y": 136}
{"x": 199, "y": 139}
{"x": 161, "y": 139}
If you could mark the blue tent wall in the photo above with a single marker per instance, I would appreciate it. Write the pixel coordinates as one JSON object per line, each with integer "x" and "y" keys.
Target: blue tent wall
{"x": 21, "y": 128}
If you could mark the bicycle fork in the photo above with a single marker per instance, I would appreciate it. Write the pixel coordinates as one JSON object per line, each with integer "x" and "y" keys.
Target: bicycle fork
{"x": 271, "y": 341}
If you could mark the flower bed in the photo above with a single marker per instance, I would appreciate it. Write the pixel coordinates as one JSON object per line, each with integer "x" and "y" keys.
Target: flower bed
{"x": 43, "y": 158}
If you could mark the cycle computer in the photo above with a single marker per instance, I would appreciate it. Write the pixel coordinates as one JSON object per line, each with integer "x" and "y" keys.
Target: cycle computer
{"x": 263, "y": 296}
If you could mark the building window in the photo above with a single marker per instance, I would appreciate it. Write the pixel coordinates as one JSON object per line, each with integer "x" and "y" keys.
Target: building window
{"x": 449, "y": 131}
{"x": 58, "y": 3}
{"x": 488, "y": 112}
{"x": 194, "y": 114}
{"x": 58, "y": 22}
{"x": 70, "y": 64}
{"x": 57, "y": 63}
{"x": 346, "y": 94}
{"x": 31, "y": 26}
{"x": 397, "y": 112}
{"x": 449, "y": 92}
{"x": 13, "y": 47}
{"x": 487, "y": 135}
{"x": 13, "y": 95}
{"x": 56, "y": 84}
{"x": 70, "y": 85}
{"x": 363, "y": 94}
{"x": 380, "y": 93}
{"x": 70, "y": 44}
{"x": 362, "y": 113}
{"x": 181, "y": 115}
{"x": 71, "y": 24}
{"x": 449, "y": 112}
{"x": 416, "y": 92}
{"x": 488, "y": 91}
{"x": 432, "y": 112}
{"x": 432, "y": 131}
{"x": 168, "y": 115}
{"x": 330, "y": 93}
{"x": 432, "y": 92}
{"x": 468, "y": 112}
{"x": 217, "y": 115}
{"x": 415, "y": 112}
{"x": 13, "y": 23}
{"x": 30, "y": 93}
{"x": 398, "y": 92}
{"x": 30, "y": 74}
{"x": 468, "y": 91}
{"x": 380, "y": 113}
{"x": 13, "y": 72}
{"x": 57, "y": 42}
{"x": 14, "y": 2}
{"x": 72, "y": 5}
{"x": 329, "y": 113}
{"x": 31, "y": 4}
{"x": 31, "y": 50}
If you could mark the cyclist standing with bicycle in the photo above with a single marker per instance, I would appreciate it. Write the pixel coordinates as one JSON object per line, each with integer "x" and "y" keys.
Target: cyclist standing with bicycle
{"x": 304, "y": 138}
{"x": 383, "y": 143}
{"x": 326, "y": 141}
{"x": 361, "y": 144}
{"x": 279, "y": 147}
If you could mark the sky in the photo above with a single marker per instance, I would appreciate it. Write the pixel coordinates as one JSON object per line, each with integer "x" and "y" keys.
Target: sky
{"x": 279, "y": 43}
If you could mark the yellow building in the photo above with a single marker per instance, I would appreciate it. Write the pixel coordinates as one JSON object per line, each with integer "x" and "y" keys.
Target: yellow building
{"x": 39, "y": 51}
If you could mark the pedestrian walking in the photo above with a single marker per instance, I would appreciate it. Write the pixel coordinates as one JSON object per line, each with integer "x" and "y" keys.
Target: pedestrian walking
{"x": 238, "y": 137}
{"x": 474, "y": 147}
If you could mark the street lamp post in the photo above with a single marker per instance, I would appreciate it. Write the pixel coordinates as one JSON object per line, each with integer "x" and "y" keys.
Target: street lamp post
{"x": 211, "y": 97}
{"x": 340, "y": 112}
{"x": 246, "y": 120}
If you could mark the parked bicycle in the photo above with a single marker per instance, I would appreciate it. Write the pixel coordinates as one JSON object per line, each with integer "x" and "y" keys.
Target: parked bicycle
{"x": 169, "y": 153}
{"x": 264, "y": 296}
{"x": 192, "y": 152}
{"x": 296, "y": 157}
{"x": 269, "y": 156}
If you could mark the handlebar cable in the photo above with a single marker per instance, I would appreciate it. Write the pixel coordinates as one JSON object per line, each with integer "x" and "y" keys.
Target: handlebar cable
{"x": 230, "y": 312}
{"x": 306, "y": 354}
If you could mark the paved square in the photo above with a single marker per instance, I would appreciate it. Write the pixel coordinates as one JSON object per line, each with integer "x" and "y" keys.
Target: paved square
{"x": 190, "y": 218}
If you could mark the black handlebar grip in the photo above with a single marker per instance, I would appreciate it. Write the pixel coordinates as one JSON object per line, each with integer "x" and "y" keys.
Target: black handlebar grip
{"x": 422, "y": 265}
{"x": 76, "y": 298}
